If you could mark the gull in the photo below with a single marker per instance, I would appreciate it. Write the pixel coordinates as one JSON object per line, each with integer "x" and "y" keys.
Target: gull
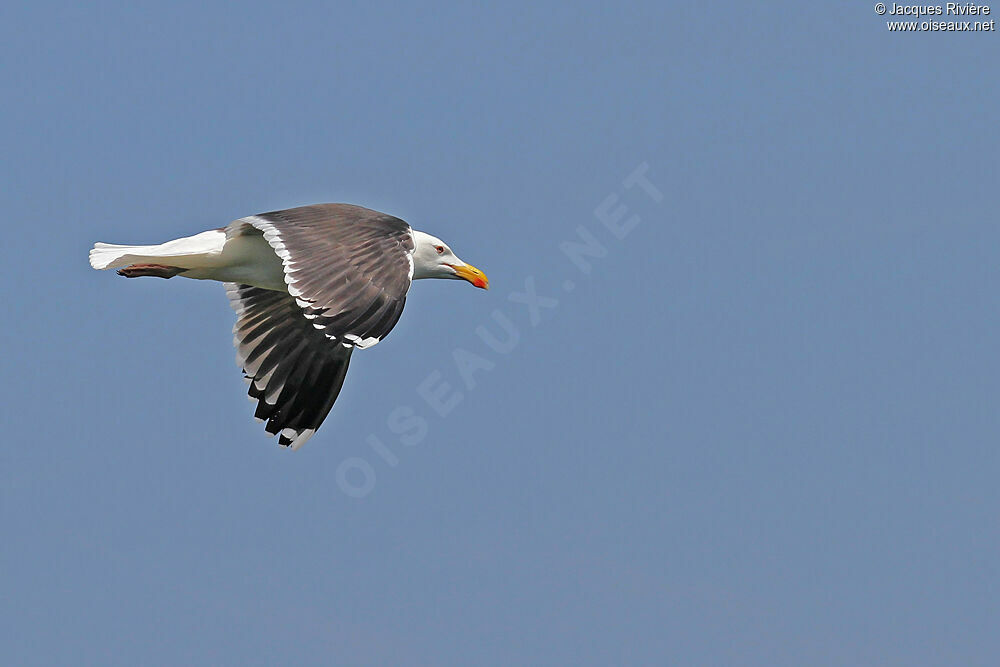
{"x": 309, "y": 286}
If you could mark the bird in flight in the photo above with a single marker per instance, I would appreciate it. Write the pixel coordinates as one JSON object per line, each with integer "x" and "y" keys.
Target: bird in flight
{"x": 309, "y": 285}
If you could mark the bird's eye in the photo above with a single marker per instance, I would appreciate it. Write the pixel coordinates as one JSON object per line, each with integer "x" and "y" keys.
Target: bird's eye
{"x": 440, "y": 249}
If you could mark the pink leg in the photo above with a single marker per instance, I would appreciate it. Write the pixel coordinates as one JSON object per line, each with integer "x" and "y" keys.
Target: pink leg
{"x": 154, "y": 270}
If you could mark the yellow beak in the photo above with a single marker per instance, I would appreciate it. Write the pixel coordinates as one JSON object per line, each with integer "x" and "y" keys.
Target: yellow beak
{"x": 473, "y": 275}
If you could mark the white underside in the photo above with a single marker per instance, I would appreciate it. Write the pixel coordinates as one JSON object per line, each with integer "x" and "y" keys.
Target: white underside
{"x": 246, "y": 259}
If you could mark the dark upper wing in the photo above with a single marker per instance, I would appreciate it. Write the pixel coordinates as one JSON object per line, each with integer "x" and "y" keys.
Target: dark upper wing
{"x": 347, "y": 267}
{"x": 295, "y": 371}
{"x": 348, "y": 270}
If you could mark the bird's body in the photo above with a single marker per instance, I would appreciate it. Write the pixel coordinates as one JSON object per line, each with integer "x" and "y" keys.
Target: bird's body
{"x": 309, "y": 285}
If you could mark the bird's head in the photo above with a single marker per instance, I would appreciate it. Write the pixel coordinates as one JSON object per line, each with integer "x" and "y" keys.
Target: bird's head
{"x": 432, "y": 258}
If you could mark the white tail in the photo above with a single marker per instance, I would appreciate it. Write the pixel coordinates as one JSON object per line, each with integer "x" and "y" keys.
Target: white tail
{"x": 188, "y": 252}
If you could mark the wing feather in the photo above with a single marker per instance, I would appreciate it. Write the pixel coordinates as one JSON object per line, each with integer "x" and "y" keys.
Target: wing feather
{"x": 295, "y": 371}
{"x": 343, "y": 264}
{"x": 347, "y": 271}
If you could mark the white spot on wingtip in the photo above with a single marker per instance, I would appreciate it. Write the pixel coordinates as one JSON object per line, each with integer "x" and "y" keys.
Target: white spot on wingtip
{"x": 301, "y": 438}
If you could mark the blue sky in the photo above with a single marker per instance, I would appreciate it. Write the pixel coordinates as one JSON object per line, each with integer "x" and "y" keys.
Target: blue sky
{"x": 761, "y": 429}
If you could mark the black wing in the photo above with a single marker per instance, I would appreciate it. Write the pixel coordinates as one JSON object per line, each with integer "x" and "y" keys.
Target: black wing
{"x": 295, "y": 372}
{"x": 348, "y": 270}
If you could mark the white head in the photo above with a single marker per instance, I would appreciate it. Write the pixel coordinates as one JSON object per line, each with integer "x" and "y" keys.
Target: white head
{"x": 432, "y": 258}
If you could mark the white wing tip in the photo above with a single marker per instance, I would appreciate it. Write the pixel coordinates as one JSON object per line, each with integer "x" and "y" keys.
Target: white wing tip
{"x": 294, "y": 438}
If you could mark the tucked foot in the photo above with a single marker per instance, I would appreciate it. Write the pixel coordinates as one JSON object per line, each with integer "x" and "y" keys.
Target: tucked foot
{"x": 154, "y": 270}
